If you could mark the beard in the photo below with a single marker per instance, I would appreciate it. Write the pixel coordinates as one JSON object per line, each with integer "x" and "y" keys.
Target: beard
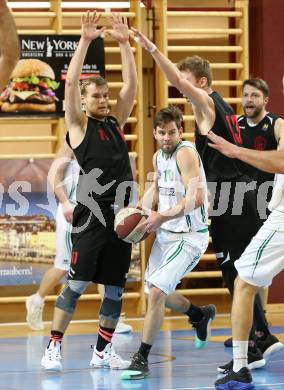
{"x": 254, "y": 113}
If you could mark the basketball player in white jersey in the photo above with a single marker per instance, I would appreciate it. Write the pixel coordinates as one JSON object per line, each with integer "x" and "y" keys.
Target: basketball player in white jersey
{"x": 181, "y": 225}
{"x": 262, "y": 260}
{"x": 63, "y": 178}
{"x": 64, "y": 182}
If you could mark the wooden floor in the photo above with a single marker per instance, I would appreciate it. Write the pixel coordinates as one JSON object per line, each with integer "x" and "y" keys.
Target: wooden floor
{"x": 172, "y": 322}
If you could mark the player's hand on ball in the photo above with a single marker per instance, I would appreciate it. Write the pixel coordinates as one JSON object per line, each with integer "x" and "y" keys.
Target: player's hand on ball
{"x": 153, "y": 222}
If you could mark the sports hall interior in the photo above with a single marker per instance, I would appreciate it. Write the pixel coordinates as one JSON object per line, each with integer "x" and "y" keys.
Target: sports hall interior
{"x": 241, "y": 39}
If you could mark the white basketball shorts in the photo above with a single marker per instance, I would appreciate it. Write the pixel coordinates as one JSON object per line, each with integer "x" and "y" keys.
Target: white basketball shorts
{"x": 63, "y": 241}
{"x": 173, "y": 255}
{"x": 264, "y": 256}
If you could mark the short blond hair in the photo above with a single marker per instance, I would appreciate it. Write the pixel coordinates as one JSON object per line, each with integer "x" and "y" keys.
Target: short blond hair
{"x": 198, "y": 66}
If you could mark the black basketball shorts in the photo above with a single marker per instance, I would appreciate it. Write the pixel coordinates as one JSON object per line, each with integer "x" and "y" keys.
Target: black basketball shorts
{"x": 231, "y": 233}
{"x": 98, "y": 255}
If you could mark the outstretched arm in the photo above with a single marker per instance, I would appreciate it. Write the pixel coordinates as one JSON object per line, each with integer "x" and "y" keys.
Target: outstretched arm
{"x": 269, "y": 161}
{"x": 9, "y": 44}
{"x": 197, "y": 96}
{"x": 74, "y": 116}
{"x": 127, "y": 93}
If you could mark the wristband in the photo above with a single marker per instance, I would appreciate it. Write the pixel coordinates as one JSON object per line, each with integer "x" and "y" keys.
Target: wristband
{"x": 153, "y": 48}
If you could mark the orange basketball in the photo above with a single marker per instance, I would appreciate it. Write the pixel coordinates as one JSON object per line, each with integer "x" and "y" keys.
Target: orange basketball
{"x": 127, "y": 225}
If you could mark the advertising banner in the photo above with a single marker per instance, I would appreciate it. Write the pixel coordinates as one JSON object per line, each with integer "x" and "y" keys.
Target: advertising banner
{"x": 27, "y": 221}
{"x": 37, "y": 83}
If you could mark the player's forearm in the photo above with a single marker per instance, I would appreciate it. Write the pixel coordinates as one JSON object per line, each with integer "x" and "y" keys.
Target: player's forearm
{"x": 184, "y": 207}
{"x": 150, "y": 199}
{"x": 56, "y": 184}
{"x": 77, "y": 61}
{"x": 60, "y": 194}
{"x": 129, "y": 74}
{"x": 269, "y": 161}
{"x": 169, "y": 69}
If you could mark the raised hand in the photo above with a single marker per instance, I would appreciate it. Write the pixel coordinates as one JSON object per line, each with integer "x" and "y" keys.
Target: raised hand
{"x": 89, "y": 26}
{"x": 119, "y": 30}
{"x": 143, "y": 41}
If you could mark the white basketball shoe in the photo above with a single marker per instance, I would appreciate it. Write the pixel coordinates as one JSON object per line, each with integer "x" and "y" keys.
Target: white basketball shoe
{"x": 108, "y": 359}
{"x": 51, "y": 359}
{"x": 34, "y": 313}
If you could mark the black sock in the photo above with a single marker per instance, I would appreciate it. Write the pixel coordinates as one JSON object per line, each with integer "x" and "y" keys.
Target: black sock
{"x": 262, "y": 334}
{"x": 104, "y": 337}
{"x": 260, "y": 321}
{"x": 55, "y": 336}
{"x": 194, "y": 313}
{"x": 144, "y": 350}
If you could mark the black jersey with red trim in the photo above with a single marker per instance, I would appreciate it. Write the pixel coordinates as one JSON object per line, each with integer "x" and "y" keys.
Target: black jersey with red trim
{"x": 104, "y": 161}
{"x": 217, "y": 166}
{"x": 258, "y": 137}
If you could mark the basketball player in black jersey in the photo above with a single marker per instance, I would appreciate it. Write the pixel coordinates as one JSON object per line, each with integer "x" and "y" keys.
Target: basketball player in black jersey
{"x": 258, "y": 129}
{"x": 257, "y": 126}
{"x": 231, "y": 230}
{"x": 99, "y": 146}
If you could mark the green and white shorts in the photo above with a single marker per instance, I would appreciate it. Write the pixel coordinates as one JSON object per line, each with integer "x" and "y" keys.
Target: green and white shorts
{"x": 63, "y": 241}
{"x": 264, "y": 256}
{"x": 173, "y": 255}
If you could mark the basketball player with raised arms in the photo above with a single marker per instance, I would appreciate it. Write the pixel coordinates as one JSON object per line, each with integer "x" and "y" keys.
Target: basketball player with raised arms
{"x": 99, "y": 146}
{"x": 179, "y": 192}
{"x": 63, "y": 179}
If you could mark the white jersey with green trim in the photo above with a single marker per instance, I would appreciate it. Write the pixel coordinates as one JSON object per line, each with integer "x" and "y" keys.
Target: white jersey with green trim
{"x": 277, "y": 199}
{"x": 71, "y": 180}
{"x": 172, "y": 190}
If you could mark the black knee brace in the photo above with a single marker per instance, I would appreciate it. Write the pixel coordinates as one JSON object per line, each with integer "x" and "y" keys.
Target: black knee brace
{"x": 112, "y": 302}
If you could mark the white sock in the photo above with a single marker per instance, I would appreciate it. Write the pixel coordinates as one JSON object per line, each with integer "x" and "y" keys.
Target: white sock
{"x": 240, "y": 355}
{"x": 37, "y": 299}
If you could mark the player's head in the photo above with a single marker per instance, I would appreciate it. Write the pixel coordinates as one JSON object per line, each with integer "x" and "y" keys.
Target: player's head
{"x": 94, "y": 91}
{"x": 168, "y": 128}
{"x": 255, "y": 96}
{"x": 197, "y": 70}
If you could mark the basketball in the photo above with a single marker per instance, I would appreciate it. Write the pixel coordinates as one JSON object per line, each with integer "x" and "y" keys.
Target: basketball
{"x": 127, "y": 225}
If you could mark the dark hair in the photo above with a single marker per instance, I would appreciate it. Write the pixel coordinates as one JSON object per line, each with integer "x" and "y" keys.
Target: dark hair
{"x": 259, "y": 84}
{"x": 168, "y": 114}
{"x": 91, "y": 80}
{"x": 198, "y": 66}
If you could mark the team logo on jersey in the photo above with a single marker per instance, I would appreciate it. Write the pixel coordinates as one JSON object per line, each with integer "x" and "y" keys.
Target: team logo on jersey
{"x": 265, "y": 127}
{"x": 159, "y": 173}
{"x": 260, "y": 143}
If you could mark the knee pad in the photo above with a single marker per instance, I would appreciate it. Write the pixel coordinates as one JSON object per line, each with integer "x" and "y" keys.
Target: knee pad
{"x": 113, "y": 292}
{"x": 110, "y": 309}
{"x": 79, "y": 286}
{"x": 112, "y": 303}
{"x": 68, "y": 298}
